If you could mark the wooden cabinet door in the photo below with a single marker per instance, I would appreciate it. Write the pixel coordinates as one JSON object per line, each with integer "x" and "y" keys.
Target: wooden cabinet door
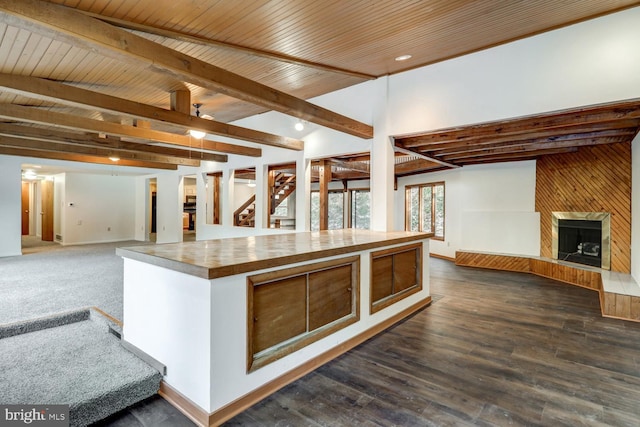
{"x": 47, "y": 211}
{"x": 26, "y": 187}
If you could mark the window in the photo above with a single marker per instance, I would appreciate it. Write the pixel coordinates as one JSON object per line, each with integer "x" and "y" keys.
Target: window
{"x": 336, "y": 210}
{"x": 346, "y": 209}
{"x": 424, "y": 208}
{"x": 360, "y": 209}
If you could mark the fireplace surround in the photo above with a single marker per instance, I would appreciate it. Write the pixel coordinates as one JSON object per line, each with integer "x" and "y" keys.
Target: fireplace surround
{"x": 582, "y": 237}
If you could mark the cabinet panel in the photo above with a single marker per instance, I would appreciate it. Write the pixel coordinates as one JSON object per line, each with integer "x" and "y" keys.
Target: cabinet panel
{"x": 395, "y": 274}
{"x": 382, "y": 277}
{"x": 290, "y": 308}
{"x": 405, "y": 268}
{"x": 330, "y": 296}
{"x": 279, "y": 312}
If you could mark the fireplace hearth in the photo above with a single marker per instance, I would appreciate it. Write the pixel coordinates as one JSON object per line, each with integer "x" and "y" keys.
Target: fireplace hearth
{"x": 582, "y": 237}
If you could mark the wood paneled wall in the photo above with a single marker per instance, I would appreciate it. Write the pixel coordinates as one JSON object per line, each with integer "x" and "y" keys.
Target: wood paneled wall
{"x": 593, "y": 179}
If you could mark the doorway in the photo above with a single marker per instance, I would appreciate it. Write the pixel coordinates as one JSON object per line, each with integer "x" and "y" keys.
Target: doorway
{"x": 152, "y": 209}
{"x": 189, "y": 208}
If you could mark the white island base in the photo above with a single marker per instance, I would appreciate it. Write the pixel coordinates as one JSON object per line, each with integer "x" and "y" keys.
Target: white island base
{"x": 221, "y": 315}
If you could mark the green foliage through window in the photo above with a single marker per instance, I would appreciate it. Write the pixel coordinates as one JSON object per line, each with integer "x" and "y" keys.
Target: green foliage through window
{"x": 356, "y": 215}
{"x": 424, "y": 206}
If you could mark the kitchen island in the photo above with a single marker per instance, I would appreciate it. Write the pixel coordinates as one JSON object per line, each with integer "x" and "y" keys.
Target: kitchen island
{"x": 234, "y": 320}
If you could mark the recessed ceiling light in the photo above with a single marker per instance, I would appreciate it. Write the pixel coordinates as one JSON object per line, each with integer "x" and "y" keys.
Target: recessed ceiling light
{"x": 403, "y": 57}
{"x": 114, "y": 158}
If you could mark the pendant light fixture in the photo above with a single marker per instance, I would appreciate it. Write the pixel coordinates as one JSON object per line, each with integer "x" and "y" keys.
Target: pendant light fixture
{"x": 198, "y": 134}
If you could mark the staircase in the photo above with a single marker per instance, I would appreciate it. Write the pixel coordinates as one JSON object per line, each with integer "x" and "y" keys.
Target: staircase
{"x": 282, "y": 186}
{"x": 75, "y": 359}
{"x": 245, "y": 215}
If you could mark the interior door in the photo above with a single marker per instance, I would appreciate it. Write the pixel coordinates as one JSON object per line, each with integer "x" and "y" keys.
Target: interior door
{"x": 47, "y": 211}
{"x": 26, "y": 187}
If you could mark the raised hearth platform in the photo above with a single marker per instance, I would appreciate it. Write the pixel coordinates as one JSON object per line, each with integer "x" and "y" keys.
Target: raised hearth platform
{"x": 619, "y": 292}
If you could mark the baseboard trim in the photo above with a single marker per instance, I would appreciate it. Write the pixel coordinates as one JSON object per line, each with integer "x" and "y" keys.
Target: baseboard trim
{"x": 446, "y": 258}
{"x": 232, "y": 409}
{"x": 202, "y": 418}
{"x": 192, "y": 411}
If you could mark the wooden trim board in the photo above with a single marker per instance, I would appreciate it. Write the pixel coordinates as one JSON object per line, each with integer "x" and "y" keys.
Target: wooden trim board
{"x": 184, "y": 404}
{"x": 446, "y": 258}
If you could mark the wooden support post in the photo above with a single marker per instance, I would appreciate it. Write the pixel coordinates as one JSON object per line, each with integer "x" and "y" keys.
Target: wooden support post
{"x": 181, "y": 101}
{"x": 271, "y": 196}
{"x": 325, "y": 179}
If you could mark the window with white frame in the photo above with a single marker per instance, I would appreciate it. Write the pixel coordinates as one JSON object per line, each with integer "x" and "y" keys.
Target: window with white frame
{"x": 424, "y": 208}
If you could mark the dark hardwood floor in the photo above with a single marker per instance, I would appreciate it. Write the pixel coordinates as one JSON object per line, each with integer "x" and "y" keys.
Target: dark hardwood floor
{"x": 494, "y": 348}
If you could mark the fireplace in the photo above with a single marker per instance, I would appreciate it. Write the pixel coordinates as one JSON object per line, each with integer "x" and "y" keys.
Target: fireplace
{"x": 582, "y": 237}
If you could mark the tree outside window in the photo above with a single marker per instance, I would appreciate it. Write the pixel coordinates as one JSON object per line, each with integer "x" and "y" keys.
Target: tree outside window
{"x": 346, "y": 209}
{"x": 424, "y": 208}
{"x": 336, "y": 210}
{"x": 360, "y": 209}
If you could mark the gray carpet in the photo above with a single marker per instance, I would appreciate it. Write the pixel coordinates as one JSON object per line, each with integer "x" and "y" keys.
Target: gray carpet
{"x": 80, "y": 364}
{"x": 54, "y": 278}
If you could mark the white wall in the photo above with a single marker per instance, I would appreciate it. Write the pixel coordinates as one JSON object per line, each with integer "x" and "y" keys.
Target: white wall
{"x": 169, "y": 208}
{"x": 592, "y": 62}
{"x": 97, "y": 208}
{"x": 487, "y": 208}
{"x": 10, "y": 206}
{"x": 59, "y": 223}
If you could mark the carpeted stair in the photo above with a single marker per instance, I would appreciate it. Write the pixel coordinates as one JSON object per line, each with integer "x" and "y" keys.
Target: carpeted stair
{"x": 73, "y": 359}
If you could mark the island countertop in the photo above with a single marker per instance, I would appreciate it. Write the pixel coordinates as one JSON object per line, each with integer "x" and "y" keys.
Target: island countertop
{"x": 210, "y": 259}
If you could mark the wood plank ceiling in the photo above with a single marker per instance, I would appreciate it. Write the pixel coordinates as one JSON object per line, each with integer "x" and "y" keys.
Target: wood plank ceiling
{"x": 84, "y": 79}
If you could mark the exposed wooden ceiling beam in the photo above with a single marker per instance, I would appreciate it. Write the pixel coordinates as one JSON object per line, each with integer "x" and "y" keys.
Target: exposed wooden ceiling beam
{"x": 32, "y": 144}
{"x": 619, "y": 134}
{"x": 176, "y": 35}
{"x": 93, "y": 140}
{"x": 415, "y": 166}
{"x": 524, "y": 134}
{"x": 40, "y": 154}
{"x": 52, "y": 118}
{"x": 600, "y": 113}
{"x": 68, "y": 24}
{"x": 516, "y": 156}
{"x": 533, "y": 147}
{"x": 422, "y": 156}
{"x": 70, "y": 95}
{"x": 354, "y": 166}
